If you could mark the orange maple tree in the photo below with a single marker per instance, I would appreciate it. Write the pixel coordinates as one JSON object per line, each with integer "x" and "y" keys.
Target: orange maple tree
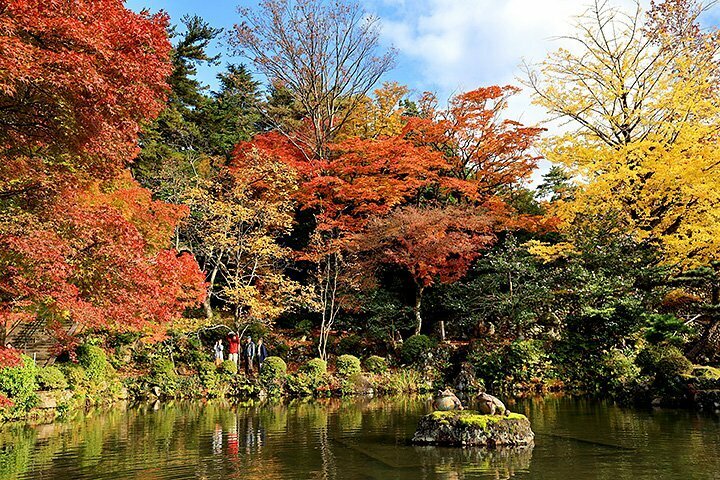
{"x": 480, "y": 145}
{"x": 467, "y": 155}
{"x": 483, "y": 157}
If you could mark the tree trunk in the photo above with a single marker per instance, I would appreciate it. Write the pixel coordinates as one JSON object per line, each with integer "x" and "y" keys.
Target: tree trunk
{"x": 207, "y": 305}
{"x": 442, "y": 330}
{"x": 418, "y": 303}
{"x": 328, "y": 276}
{"x": 208, "y": 308}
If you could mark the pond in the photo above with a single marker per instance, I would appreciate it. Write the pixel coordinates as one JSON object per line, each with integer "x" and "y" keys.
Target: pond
{"x": 355, "y": 439}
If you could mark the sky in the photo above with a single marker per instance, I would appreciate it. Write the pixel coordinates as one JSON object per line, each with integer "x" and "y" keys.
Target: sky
{"x": 444, "y": 46}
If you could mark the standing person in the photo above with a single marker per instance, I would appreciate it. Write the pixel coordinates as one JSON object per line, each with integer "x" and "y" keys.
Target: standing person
{"x": 234, "y": 349}
{"x": 219, "y": 356}
{"x": 250, "y": 351}
{"x": 262, "y": 353}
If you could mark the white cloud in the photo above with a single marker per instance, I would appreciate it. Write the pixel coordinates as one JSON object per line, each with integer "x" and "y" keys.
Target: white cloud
{"x": 464, "y": 44}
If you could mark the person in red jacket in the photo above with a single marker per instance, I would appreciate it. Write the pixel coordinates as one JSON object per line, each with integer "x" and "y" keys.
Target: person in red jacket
{"x": 234, "y": 342}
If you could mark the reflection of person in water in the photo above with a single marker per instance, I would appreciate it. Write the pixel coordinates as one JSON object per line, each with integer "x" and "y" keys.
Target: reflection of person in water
{"x": 217, "y": 440}
{"x": 233, "y": 440}
{"x": 254, "y": 436}
{"x": 249, "y": 436}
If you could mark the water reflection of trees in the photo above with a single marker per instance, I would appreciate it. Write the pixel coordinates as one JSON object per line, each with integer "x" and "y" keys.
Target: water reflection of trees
{"x": 332, "y": 439}
{"x": 205, "y": 440}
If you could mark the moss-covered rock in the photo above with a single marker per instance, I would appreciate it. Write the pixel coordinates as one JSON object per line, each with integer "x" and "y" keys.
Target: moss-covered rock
{"x": 471, "y": 428}
{"x": 705, "y": 378}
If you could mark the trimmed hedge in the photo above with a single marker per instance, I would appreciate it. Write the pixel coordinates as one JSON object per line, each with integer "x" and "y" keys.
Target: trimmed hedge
{"x": 416, "y": 349}
{"x": 376, "y": 365}
{"x": 51, "y": 378}
{"x": 315, "y": 368}
{"x": 273, "y": 369}
{"x": 347, "y": 365}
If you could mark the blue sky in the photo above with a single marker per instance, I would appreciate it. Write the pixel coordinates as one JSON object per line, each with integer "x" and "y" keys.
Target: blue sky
{"x": 444, "y": 46}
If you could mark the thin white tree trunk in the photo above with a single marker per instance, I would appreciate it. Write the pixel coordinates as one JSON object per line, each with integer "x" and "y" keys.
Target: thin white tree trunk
{"x": 418, "y": 304}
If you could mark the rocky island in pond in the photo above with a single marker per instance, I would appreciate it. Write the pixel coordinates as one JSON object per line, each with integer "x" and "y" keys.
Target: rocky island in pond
{"x": 471, "y": 428}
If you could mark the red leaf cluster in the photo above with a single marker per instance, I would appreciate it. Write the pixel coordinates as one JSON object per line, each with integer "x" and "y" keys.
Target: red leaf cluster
{"x": 87, "y": 262}
{"x": 5, "y": 402}
{"x": 9, "y": 357}
{"x": 80, "y": 241}
{"x": 430, "y": 244}
{"x": 366, "y": 178}
{"x": 77, "y": 78}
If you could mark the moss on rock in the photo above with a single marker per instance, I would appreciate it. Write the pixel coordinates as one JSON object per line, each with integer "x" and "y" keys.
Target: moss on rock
{"x": 471, "y": 428}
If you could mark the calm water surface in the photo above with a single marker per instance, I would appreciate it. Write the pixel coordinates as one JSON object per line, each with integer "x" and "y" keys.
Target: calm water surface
{"x": 356, "y": 439}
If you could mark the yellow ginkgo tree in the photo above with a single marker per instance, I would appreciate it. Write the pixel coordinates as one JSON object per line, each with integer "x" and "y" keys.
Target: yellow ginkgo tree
{"x": 641, "y": 90}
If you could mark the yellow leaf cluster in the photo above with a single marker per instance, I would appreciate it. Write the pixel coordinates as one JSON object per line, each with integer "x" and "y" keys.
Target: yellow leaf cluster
{"x": 645, "y": 153}
{"x": 237, "y": 220}
{"x": 381, "y": 116}
{"x": 547, "y": 252}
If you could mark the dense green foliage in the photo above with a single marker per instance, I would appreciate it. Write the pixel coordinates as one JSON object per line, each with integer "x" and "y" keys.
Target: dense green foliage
{"x": 228, "y": 367}
{"x": 94, "y": 360}
{"x": 519, "y": 362}
{"x": 347, "y": 365}
{"x": 272, "y": 374}
{"x": 376, "y": 364}
{"x": 415, "y": 349}
{"x": 51, "y": 378}
{"x": 19, "y": 384}
{"x": 315, "y": 367}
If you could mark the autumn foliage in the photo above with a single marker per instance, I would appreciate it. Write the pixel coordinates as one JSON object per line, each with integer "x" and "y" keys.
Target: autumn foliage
{"x": 80, "y": 241}
{"x": 644, "y": 148}
{"x": 434, "y": 244}
{"x": 389, "y": 193}
{"x": 76, "y": 80}
{"x": 131, "y": 194}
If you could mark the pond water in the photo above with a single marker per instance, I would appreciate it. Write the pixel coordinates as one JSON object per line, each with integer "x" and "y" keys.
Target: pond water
{"x": 355, "y": 439}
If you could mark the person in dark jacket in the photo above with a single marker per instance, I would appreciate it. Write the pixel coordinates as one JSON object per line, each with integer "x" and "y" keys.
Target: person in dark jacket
{"x": 250, "y": 352}
{"x": 262, "y": 353}
{"x": 218, "y": 348}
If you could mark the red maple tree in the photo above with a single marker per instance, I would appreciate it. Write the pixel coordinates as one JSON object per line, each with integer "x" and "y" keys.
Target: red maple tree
{"x": 431, "y": 245}
{"x": 80, "y": 241}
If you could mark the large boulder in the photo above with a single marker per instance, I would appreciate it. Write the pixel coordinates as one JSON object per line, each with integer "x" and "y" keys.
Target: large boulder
{"x": 471, "y": 428}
